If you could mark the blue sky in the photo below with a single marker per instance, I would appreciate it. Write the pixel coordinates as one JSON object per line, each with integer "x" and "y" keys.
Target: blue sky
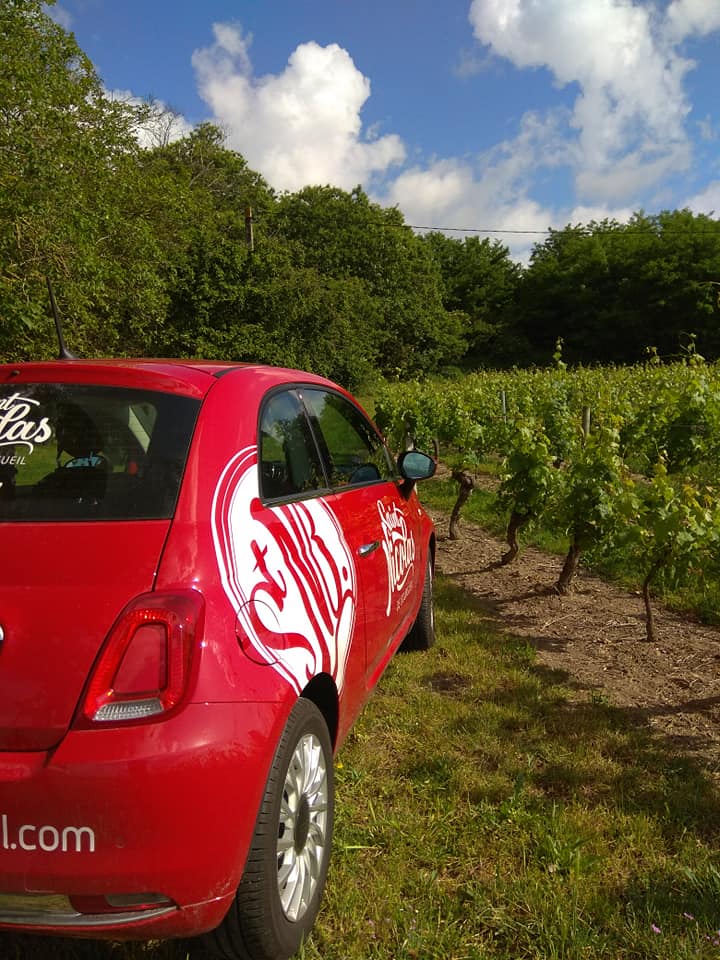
{"x": 494, "y": 115}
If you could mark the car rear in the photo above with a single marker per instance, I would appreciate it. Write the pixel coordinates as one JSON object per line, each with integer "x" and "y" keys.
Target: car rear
{"x": 117, "y": 783}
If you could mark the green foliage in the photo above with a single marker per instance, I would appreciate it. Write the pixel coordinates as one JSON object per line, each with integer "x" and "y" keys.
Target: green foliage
{"x": 577, "y": 447}
{"x": 480, "y": 281}
{"x": 589, "y": 494}
{"x": 610, "y": 289}
{"x": 147, "y": 252}
{"x": 590, "y": 486}
{"x": 297, "y": 317}
{"x": 147, "y": 248}
{"x": 672, "y": 525}
{"x": 670, "y": 521}
{"x": 346, "y": 236}
{"x": 71, "y": 204}
{"x": 201, "y": 190}
{"x": 528, "y": 478}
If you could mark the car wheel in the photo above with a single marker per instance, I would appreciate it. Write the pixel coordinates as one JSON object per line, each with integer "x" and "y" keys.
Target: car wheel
{"x": 422, "y": 632}
{"x": 280, "y": 891}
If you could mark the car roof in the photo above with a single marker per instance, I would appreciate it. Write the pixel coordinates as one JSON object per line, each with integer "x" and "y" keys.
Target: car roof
{"x": 189, "y": 377}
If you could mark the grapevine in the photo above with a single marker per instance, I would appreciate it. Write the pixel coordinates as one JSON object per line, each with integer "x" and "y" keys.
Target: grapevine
{"x": 611, "y": 457}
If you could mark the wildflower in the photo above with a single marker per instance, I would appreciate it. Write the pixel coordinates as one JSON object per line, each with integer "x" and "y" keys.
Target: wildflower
{"x": 688, "y": 916}
{"x": 655, "y": 928}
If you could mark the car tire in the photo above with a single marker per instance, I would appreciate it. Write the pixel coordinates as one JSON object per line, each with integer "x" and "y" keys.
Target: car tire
{"x": 422, "y": 633}
{"x": 279, "y": 895}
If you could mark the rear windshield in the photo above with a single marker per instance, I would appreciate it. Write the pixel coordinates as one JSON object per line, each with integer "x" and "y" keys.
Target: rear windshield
{"x": 70, "y": 452}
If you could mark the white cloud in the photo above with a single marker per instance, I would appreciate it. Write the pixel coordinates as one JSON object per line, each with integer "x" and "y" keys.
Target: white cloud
{"x": 450, "y": 194}
{"x": 298, "y": 127}
{"x": 630, "y": 109}
{"x": 631, "y": 174}
{"x": 163, "y": 124}
{"x": 625, "y": 131}
{"x": 686, "y": 18}
{"x": 585, "y": 214}
{"x": 470, "y": 63}
{"x": 707, "y": 129}
{"x": 708, "y": 201}
{"x": 491, "y": 196}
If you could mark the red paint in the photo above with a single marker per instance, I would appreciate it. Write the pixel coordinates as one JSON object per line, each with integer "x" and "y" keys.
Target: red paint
{"x": 166, "y": 804}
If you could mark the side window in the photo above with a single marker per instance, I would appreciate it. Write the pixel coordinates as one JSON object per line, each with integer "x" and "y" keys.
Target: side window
{"x": 355, "y": 452}
{"x": 289, "y": 461}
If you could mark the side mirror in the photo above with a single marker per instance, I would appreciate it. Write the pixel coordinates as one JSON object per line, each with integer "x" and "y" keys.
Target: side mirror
{"x": 414, "y": 465}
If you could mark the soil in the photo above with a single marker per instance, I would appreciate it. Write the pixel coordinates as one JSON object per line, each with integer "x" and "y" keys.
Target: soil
{"x": 596, "y": 636}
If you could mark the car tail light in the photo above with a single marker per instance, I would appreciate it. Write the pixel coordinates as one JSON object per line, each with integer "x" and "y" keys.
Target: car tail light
{"x": 145, "y": 665}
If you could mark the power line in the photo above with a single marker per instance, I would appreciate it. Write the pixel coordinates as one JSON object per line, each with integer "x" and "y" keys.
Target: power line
{"x": 615, "y": 231}
{"x": 479, "y": 230}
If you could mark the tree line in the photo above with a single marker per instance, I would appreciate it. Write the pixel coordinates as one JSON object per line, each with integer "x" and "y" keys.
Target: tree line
{"x": 145, "y": 241}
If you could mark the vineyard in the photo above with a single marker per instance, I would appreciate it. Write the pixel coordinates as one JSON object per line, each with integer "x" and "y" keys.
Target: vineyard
{"x": 613, "y": 460}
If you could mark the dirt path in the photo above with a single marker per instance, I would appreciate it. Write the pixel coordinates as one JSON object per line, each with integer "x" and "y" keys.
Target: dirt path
{"x": 597, "y": 636}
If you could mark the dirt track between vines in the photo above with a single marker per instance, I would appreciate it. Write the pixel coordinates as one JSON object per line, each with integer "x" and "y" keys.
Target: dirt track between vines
{"x": 597, "y": 637}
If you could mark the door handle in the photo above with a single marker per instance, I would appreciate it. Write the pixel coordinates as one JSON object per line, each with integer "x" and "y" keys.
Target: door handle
{"x": 367, "y": 548}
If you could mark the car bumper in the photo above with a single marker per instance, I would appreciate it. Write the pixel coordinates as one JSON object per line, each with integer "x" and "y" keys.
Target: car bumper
{"x": 134, "y": 832}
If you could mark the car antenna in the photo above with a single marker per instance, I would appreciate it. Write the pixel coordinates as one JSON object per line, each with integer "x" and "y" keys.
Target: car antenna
{"x": 64, "y": 353}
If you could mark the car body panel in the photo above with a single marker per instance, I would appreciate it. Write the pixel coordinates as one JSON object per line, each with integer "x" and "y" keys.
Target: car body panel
{"x": 385, "y": 548}
{"x": 85, "y": 573}
{"x": 189, "y": 379}
{"x": 170, "y": 808}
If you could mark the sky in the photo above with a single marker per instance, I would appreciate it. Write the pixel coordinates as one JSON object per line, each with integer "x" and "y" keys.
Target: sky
{"x": 495, "y": 118}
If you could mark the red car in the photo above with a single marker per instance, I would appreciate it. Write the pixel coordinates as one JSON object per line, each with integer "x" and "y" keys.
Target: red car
{"x": 205, "y": 570}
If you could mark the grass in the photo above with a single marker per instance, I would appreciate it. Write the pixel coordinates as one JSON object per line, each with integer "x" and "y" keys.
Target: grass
{"x": 486, "y": 810}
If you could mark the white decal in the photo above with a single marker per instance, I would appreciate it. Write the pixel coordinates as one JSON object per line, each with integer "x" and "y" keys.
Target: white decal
{"x": 288, "y": 574}
{"x": 47, "y": 838}
{"x": 398, "y": 546}
{"x": 16, "y": 427}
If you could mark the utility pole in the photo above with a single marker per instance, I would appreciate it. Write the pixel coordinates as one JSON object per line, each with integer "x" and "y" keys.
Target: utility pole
{"x": 249, "y": 239}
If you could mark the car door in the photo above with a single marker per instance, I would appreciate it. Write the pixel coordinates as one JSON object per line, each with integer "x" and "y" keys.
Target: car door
{"x": 375, "y": 516}
{"x": 301, "y": 609}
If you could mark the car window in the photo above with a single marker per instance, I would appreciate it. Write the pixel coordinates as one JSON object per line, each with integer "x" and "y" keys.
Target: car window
{"x": 354, "y": 450}
{"x": 73, "y": 452}
{"x": 289, "y": 461}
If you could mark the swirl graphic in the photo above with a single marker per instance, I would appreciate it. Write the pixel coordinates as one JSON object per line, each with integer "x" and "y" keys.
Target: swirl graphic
{"x": 288, "y": 573}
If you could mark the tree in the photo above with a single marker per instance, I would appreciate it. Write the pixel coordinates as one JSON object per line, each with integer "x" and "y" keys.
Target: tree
{"x": 202, "y": 191}
{"x": 564, "y": 295}
{"x": 480, "y": 281}
{"x": 344, "y": 235}
{"x": 668, "y": 279}
{"x": 611, "y": 290}
{"x": 70, "y": 200}
{"x": 298, "y": 317}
